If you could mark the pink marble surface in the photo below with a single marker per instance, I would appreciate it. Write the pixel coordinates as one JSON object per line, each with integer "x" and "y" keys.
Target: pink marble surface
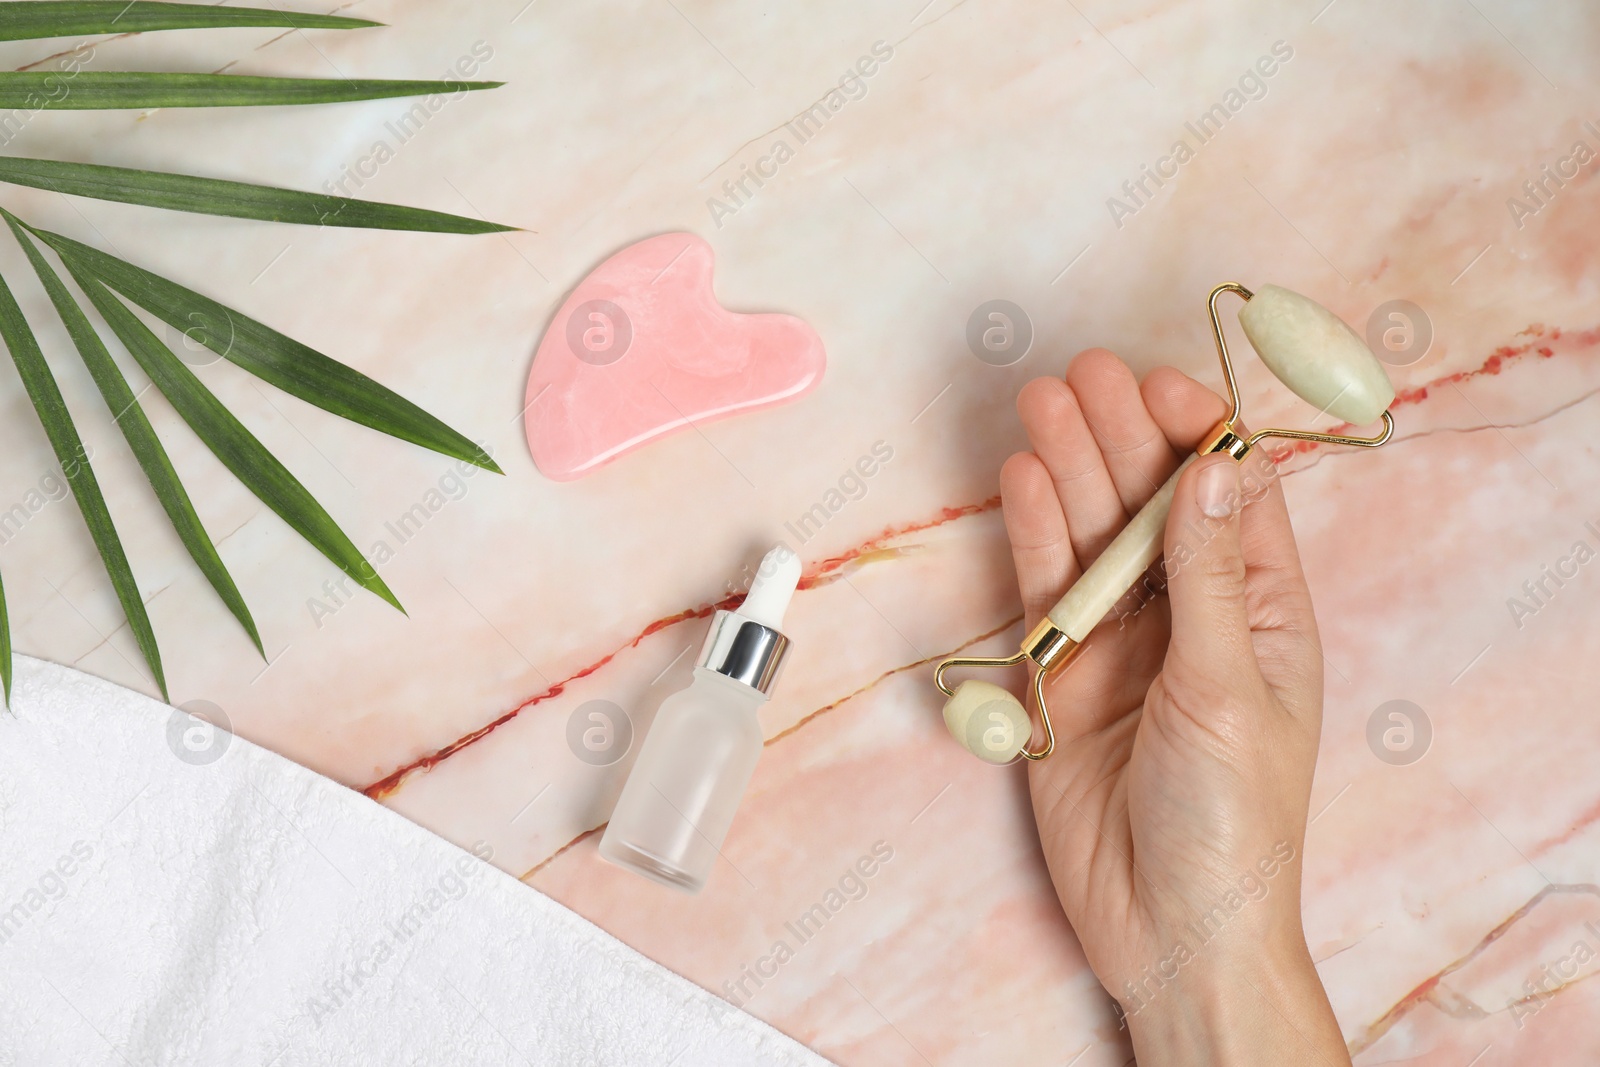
{"x": 975, "y": 163}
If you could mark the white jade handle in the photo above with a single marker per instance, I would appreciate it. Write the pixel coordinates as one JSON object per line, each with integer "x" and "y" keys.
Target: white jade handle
{"x": 1119, "y": 566}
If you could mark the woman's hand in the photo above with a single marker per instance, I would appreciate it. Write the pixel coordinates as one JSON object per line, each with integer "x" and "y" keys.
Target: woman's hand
{"x": 1173, "y": 812}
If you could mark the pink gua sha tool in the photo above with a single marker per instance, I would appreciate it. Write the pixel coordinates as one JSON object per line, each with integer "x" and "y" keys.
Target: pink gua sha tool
{"x": 642, "y": 348}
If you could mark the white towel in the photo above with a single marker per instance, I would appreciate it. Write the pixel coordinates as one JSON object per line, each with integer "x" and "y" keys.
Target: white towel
{"x": 175, "y": 895}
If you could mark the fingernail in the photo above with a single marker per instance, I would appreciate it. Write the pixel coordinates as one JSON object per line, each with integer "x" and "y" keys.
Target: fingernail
{"x": 1218, "y": 489}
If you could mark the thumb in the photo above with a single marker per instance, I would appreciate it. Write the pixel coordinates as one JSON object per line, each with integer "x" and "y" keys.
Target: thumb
{"x": 1206, "y": 573}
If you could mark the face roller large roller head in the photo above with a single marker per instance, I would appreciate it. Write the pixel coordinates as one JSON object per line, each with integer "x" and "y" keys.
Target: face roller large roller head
{"x": 1310, "y": 350}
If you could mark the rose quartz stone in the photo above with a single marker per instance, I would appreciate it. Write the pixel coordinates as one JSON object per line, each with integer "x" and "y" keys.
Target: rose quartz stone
{"x": 642, "y": 348}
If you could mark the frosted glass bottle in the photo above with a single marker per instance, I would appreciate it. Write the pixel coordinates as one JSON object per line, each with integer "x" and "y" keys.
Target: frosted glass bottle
{"x": 692, "y": 771}
{"x": 691, "y": 774}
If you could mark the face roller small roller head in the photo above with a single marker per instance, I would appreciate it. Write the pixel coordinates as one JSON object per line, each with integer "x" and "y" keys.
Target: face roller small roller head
{"x": 1309, "y": 349}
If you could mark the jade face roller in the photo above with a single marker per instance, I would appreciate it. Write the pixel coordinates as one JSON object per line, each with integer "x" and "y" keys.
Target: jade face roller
{"x": 1310, "y": 350}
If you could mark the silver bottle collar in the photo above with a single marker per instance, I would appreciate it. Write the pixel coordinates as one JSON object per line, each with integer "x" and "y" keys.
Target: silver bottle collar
{"x": 744, "y": 650}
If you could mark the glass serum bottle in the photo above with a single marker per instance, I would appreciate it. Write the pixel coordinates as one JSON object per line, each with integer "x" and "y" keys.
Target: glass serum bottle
{"x": 702, "y": 748}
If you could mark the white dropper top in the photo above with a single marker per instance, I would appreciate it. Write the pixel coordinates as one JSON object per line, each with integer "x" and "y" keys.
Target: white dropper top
{"x": 774, "y": 585}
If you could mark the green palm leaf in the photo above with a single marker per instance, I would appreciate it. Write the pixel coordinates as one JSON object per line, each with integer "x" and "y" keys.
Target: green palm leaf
{"x": 22, "y": 20}
{"x": 115, "y": 287}
{"x": 5, "y": 645}
{"x": 141, "y": 437}
{"x": 227, "y": 438}
{"x": 281, "y": 361}
{"x": 92, "y": 90}
{"x": 212, "y": 196}
{"x": 57, "y": 421}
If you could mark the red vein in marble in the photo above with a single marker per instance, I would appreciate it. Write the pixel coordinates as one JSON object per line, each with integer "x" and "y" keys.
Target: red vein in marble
{"x": 831, "y": 569}
{"x": 388, "y": 784}
{"x": 825, "y": 573}
{"x": 1499, "y": 360}
{"x": 873, "y": 545}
